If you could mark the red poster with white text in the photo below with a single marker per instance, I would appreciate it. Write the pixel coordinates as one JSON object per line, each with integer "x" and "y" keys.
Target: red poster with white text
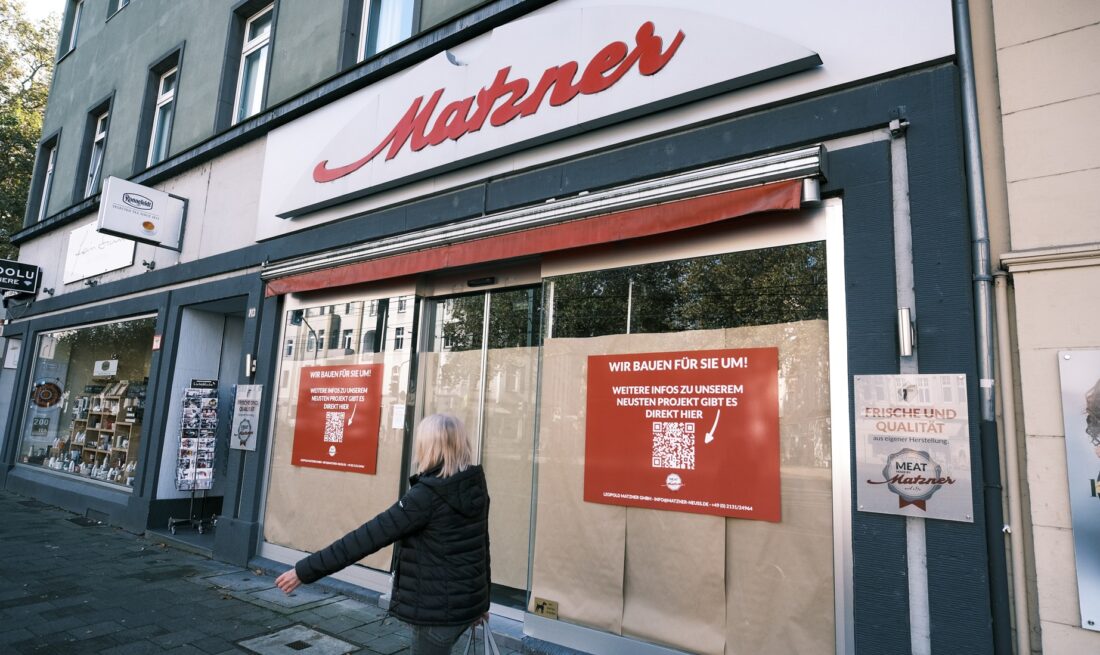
{"x": 336, "y": 426}
{"x": 694, "y": 431}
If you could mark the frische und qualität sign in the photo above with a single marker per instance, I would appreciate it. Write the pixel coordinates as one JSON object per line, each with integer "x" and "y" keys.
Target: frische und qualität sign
{"x": 1080, "y": 373}
{"x": 336, "y": 426}
{"x": 694, "y": 431}
{"x": 913, "y": 446}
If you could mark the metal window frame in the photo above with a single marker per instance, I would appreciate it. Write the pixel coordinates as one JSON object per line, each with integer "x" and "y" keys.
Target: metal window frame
{"x": 97, "y": 154}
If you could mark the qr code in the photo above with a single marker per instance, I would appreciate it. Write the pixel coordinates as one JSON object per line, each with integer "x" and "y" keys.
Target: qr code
{"x": 673, "y": 445}
{"x": 334, "y": 427}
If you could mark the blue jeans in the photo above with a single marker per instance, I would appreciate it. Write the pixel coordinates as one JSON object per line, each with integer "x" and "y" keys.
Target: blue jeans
{"x": 435, "y": 639}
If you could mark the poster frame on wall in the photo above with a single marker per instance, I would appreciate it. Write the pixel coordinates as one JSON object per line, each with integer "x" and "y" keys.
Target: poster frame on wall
{"x": 1079, "y": 372}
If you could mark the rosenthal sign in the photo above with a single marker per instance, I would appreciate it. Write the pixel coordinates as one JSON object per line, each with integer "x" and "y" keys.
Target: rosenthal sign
{"x": 19, "y": 277}
{"x": 913, "y": 446}
{"x": 1080, "y": 373}
{"x": 556, "y": 73}
{"x": 140, "y": 213}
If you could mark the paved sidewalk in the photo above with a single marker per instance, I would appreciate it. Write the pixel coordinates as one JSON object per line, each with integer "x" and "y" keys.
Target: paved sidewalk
{"x": 68, "y": 585}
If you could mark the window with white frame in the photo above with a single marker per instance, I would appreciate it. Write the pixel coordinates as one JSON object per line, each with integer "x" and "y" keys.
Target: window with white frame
{"x": 347, "y": 341}
{"x": 384, "y": 24}
{"x": 163, "y": 116}
{"x": 398, "y": 338}
{"x": 255, "y": 52}
{"x": 95, "y": 159}
{"x": 72, "y": 27}
{"x": 47, "y": 180}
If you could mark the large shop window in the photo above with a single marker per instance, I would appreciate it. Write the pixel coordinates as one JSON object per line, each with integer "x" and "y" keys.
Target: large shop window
{"x": 87, "y": 400}
{"x": 691, "y": 578}
{"x": 339, "y": 425}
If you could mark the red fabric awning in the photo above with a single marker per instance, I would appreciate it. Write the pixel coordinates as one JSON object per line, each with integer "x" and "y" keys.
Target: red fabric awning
{"x": 606, "y": 228}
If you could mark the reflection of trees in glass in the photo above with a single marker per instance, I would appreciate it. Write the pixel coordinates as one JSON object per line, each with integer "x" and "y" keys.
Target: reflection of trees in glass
{"x": 129, "y": 341}
{"x": 514, "y": 320}
{"x": 757, "y": 287}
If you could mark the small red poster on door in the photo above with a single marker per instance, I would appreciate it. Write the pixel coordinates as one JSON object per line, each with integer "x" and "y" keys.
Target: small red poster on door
{"x": 694, "y": 431}
{"x": 337, "y": 422}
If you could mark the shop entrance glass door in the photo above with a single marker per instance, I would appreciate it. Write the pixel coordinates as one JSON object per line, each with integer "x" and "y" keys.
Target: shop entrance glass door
{"x": 479, "y": 361}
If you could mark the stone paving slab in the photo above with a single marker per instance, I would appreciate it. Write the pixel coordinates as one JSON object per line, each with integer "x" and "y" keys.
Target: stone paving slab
{"x": 67, "y": 589}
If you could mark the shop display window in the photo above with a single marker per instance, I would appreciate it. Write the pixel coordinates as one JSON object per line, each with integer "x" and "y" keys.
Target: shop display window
{"x": 698, "y": 582}
{"x": 87, "y": 400}
{"x": 312, "y": 500}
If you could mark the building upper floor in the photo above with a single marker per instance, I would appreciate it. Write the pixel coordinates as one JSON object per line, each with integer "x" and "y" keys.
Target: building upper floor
{"x": 138, "y": 82}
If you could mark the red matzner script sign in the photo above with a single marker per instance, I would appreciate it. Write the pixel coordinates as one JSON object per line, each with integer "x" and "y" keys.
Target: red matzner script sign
{"x": 337, "y": 422}
{"x": 607, "y": 67}
{"x": 694, "y": 431}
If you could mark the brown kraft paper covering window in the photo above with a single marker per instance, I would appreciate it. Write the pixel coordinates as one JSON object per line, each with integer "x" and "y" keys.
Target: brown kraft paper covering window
{"x": 698, "y": 583}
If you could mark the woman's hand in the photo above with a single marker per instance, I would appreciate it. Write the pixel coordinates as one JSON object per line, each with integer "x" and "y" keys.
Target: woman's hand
{"x": 288, "y": 581}
{"x": 483, "y": 619}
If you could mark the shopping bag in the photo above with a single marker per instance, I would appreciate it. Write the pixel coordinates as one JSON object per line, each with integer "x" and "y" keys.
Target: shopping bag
{"x": 489, "y": 645}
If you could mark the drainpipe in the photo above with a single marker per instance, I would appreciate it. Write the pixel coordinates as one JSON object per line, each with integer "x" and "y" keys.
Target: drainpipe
{"x": 1012, "y": 468}
{"x": 983, "y": 304}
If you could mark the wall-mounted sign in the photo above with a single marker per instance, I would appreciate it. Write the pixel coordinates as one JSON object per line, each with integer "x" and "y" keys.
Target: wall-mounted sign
{"x": 91, "y": 253}
{"x": 140, "y": 213}
{"x": 1080, "y": 373}
{"x": 694, "y": 431}
{"x": 913, "y": 446}
{"x": 557, "y": 72}
{"x": 246, "y": 416}
{"x": 19, "y": 277}
{"x": 339, "y": 409}
{"x": 105, "y": 368}
{"x": 11, "y": 355}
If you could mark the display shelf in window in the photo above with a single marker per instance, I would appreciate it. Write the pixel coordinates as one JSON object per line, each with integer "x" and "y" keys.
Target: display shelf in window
{"x": 104, "y": 435}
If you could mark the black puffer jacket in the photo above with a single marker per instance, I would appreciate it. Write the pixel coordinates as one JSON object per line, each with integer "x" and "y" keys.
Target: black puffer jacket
{"x": 442, "y": 575}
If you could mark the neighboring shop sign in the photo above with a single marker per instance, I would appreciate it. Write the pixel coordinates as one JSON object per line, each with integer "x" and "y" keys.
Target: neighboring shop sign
{"x": 694, "y": 431}
{"x": 246, "y": 416}
{"x": 1080, "y": 373}
{"x": 140, "y": 213}
{"x": 198, "y": 437}
{"x": 19, "y": 277}
{"x": 91, "y": 253}
{"x": 913, "y": 446}
{"x": 339, "y": 408}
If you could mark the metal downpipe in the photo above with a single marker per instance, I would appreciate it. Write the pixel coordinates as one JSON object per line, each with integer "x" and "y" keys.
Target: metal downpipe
{"x": 983, "y": 305}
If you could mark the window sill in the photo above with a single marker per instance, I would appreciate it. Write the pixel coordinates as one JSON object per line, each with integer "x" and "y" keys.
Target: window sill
{"x": 64, "y": 56}
{"x": 116, "y": 12}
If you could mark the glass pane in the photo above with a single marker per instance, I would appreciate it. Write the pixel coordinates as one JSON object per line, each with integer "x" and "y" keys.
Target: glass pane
{"x": 252, "y": 81}
{"x": 392, "y": 23}
{"x": 307, "y": 506}
{"x": 508, "y": 436}
{"x": 94, "y": 165}
{"x": 674, "y": 577}
{"x": 88, "y": 400}
{"x": 162, "y": 129}
{"x": 501, "y": 422}
{"x": 260, "y": 27}
{"x": 167, "y": 83}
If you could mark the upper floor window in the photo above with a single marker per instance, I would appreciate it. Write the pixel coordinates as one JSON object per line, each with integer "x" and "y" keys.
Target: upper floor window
{"x": 162, "y": 116}
{"x": 70, "y": 29}
{"x": 95, "y": 159}
{"x": 384, "y": 24}
{"x": 50, "y": 155}
{"x": 116, "y": 5}
{"x": 255, "y": 51}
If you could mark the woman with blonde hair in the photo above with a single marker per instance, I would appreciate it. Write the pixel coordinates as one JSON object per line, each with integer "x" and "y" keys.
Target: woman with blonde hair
{"x": 441, "y": 582}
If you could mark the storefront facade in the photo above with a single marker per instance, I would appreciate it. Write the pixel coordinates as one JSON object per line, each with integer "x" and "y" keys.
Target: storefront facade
{"x": 642, "y": 252}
